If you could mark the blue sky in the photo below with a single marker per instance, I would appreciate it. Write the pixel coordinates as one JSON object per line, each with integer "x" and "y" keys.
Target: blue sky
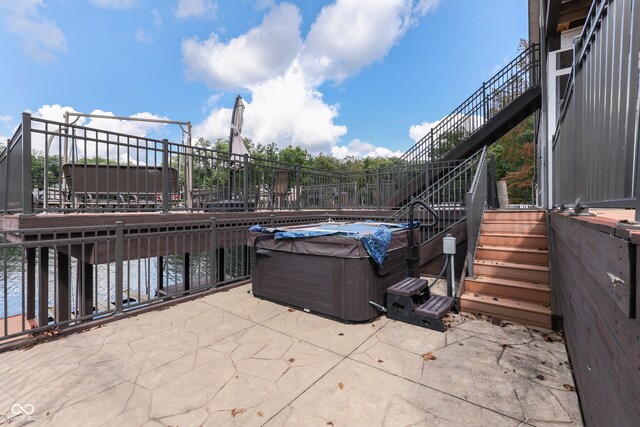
{"x": 348, "y": 77}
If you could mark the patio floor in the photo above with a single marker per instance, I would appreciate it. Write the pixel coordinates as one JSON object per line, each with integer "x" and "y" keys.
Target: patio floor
{"x": 232, "y": 359}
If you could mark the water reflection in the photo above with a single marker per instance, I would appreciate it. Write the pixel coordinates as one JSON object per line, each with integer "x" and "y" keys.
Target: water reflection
{"x": 140, "y": 277}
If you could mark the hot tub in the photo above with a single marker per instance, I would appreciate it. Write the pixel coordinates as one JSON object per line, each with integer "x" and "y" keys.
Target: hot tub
{"x": 331, "y": 274}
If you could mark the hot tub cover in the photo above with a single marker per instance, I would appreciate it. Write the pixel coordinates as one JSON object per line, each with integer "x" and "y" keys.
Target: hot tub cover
{"x": 375, "y": 236}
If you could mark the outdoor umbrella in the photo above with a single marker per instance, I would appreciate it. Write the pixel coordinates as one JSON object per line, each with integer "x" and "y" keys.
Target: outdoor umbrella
{"x": 236, "y": 145}
{"x": 237, "y": 148}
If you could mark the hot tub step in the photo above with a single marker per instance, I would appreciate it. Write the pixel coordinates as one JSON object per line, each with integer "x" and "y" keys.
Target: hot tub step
{"x": 421, "y": 309}
{"x": 436, "y": 306}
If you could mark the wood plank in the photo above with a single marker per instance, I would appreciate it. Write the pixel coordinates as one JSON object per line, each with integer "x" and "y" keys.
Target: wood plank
{"x": 604, "y": 344}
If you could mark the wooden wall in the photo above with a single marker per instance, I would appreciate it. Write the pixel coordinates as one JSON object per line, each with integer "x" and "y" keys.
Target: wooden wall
{"x": 594, "y": 278}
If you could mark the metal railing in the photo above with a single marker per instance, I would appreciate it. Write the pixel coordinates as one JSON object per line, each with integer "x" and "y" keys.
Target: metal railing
{"x": 595, "y": 147}
{"x": 476, "y": 201}
{"x": 108, "y": 171}
{"x": 448, "y": 195}
{"x": 514, "y": 79}
{"x": 53, "y": 278}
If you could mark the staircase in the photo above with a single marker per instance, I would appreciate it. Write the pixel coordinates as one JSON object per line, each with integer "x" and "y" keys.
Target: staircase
{"x": 511, "y": 269}
{"x": 502, "y": 102}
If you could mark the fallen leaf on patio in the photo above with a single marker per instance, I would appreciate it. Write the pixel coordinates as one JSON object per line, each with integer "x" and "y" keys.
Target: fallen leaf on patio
{"x": 506, "y": 346}
{"x": 476, "y": 295}
{"x": 569, "y": 387}
{"x": 380, "y": 360}
{"x": 460, "y": 343}
{"x": 495, "y": 298}
{"x": 260, "y": 414}
{"x": 235, "y": 411}
{"x": 291, "y": 310}
{"x": 540, "y": 377}
{"x": 341, "y": 386}
{"x": 428, "y": 356}
{"x": 291, "y": 360}
{"x": 340, "y": 334}
{"x": 329, "y": 423}
{"x": 373, "y": 325}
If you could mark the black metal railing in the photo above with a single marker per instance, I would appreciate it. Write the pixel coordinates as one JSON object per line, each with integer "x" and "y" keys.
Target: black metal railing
{"x": 53, "y": 278}
{"x": 595, "y": 147}
{"x": 448, "y": 195}
{"x": 513, "y": 80}
{"x": 72, "y": 169}
{"x": 476, "y": 201}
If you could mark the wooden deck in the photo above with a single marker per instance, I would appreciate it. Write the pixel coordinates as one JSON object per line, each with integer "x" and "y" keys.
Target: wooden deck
{"x": 40, "y": 221}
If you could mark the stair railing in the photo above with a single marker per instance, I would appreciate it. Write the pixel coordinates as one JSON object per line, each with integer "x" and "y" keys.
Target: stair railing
{"x": 476, "y": 202}
{"x": 513, "y": 80}
{"x": 447, "y": 196}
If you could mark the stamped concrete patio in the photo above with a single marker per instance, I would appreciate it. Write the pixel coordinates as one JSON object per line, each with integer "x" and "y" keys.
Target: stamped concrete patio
{"x": 232, "y": 359}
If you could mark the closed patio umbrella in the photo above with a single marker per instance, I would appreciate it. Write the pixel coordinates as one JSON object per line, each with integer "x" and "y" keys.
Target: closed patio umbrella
{"x": 236, "y": 145}
{"x": 237, "y": 148}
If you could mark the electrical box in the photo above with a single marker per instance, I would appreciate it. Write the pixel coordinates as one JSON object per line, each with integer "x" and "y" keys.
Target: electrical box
{"x": 449, "y": 245}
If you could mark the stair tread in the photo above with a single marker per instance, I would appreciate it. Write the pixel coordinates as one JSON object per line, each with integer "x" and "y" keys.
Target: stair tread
{"x": 512, "y": 221}
{"x": 436, "y": 306}
{"x": 513, "y": 248}
{"x": 507, "y": 302}
{"x": 507, "y": 282}
{"x": 502, "y": 234}
{"x": 408, "y": 287}
{"x": 517, "y": 265}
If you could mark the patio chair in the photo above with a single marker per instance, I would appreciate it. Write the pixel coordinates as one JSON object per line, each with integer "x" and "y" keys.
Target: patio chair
{"x": 280, "y": 188}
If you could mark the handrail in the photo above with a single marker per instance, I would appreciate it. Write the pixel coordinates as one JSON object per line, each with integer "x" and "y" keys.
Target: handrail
{"x": 476, "y": 201}
{"x": 512, "y": 80}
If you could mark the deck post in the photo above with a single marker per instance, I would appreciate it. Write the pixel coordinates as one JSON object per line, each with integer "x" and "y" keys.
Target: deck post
{"x": 31, "y": 283}
{"x": 186, "y": 271}
{"x": 165, "y": 176}
{"x": 379, "y": 183}
{"x": 245, "y": 179}
{"x": 340, "y": 192}
{"x": 213, "y": 245}
{"x": 160, "y": 276}
{"x": 27, "y": 197}
{"x": 119, "y": 262}
{"x": 43, "y": 288}
{"x": 220, "y": 264}
{"x": 298, "y": 189}
{"x": 85, "y": 286}
{"x": 62, "y": 306}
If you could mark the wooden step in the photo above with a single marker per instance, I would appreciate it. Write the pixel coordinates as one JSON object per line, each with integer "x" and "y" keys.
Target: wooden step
{"x": 513, "y": 254}
{"x": 537, "y": 241}
{"x": 513, "y": 215}
{"x": 524, "y": 291}
{"x": 512, "y": 271}
{"x": 523, "y": 227}
{"x": 513, "y": 310}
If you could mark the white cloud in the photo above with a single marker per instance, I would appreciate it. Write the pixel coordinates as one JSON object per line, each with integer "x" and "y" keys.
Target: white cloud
{"x": 195, "y": 8}
{"x": 262, "y": 53}
{"x": 468, "y": 123}
{"x": 56, "y": 113}
{"x": 362, "y": 149}
{"x": 283, "y": 72}
{"x": 425, "y": 6}
{"x": 41, "y": 38}
{"x": 351, "y": 34}
{"x": 157, "y": 18}
{"x": 142, "y": 36}
{"x": 416, "y": 132}
{"x": 115, "y": 4}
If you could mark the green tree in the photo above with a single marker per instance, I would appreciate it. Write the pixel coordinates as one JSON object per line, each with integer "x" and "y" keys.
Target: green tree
{"x": 514, "y": 154}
